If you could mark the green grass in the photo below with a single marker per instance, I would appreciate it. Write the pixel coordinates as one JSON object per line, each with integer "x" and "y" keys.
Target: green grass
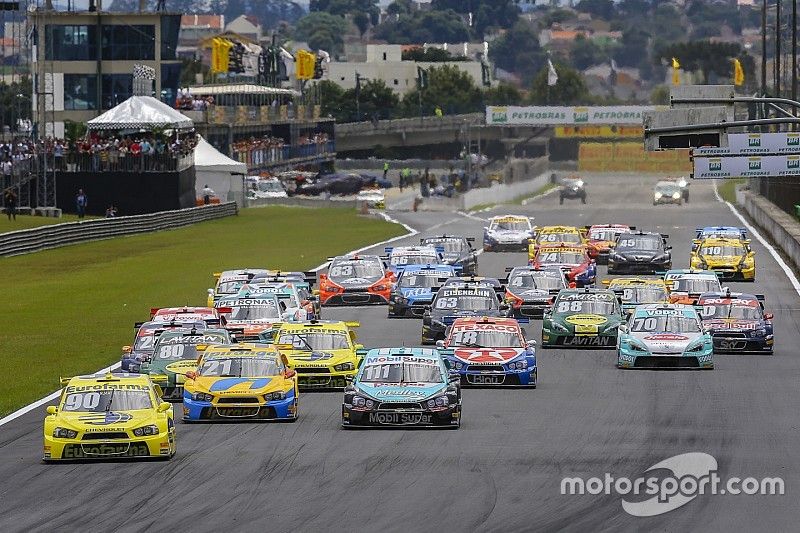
{"x": 70, "y": 310}
{"x": 28, "y": 221}
{"x": 728, "y": 189}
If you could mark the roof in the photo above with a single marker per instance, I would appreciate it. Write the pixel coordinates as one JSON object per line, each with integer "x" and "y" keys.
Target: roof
{"x": 140, "y": 112}
{"x": 239, "y": 88}
{"x": 206, "y": 157}
{"x": 207, "y": 21}
{"x": 244, "y": 349}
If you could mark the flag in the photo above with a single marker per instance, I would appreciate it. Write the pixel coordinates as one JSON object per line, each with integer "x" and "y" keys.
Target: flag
{"x": 305, "y": 65}
{"x": 612, "y": 75}
{"x": 552, "y": 75}
{"x": 738, "y": 73}
{"x": 676, "y": 75}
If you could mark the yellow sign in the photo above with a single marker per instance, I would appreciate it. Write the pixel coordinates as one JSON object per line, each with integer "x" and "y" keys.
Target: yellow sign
{"x": 587, "y": 320}
{"x": 571, "y": 132}
{"x": 630, "y": 157}
{"x": 305, "y": 65}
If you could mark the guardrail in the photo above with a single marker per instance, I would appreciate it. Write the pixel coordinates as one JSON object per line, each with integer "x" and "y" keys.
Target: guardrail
{"x": 34, "y": 240}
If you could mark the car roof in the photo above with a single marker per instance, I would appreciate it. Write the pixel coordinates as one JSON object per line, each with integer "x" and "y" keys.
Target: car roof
{"x": 316, "y": 324}
{"x": 241, "y": 349}
{"x": 686, "y": 273}
{"x": 475, "y": 320}
{"x": 405, "y": 351}
{"x": 110, "y": 379}
{"x": 636, "y": 281}
{"x": 558, "y": 229}
{"x": 563, "y": 247}
{"x": 501, "y": 218}
{"x": 357, "y": 257}
{"x": 643, "y": 309}
{"x": 185, "y": 310}
{"x": 414, "y": 250}
{"x": 587, "y": 290}
{"x": 729, "y": 295}
{"x": 433, "y": 267}
{"x": 722, "y": 240}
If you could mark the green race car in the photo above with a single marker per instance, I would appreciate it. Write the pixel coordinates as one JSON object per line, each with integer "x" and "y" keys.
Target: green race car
{"x": 583, "y": 318}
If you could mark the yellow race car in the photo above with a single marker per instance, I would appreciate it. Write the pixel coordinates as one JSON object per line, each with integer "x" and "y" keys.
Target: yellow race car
{"x": 109, "y": 416}
{"x": 555, "y": 236}
{"x": 634, "y": 291}
{"x": 730, "y": 258}
{"x": 240, "y": 381}
{"x": 323, "y": 353}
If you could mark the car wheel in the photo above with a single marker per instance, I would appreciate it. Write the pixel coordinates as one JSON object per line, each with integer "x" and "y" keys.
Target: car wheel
{"x": 560, "y": 200}
{"x": 583, "y": 199}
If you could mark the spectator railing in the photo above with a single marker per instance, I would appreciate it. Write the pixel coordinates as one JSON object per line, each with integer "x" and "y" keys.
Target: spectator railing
{"x": 114, "y": 161}
{"x": 46, "y": 237}
{"x": 257, "y": 158}
{"x": 247, "y": 115}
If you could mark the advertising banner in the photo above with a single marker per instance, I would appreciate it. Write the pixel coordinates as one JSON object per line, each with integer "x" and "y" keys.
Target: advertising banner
{"x": 605, "y": 132}
{"x": 755, "y": 143}
{"x": 746, "y": 167}
{"x": 562, "y": 115}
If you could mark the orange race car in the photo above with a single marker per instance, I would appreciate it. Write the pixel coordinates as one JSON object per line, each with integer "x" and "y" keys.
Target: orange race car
{"x": 355, "y": 280}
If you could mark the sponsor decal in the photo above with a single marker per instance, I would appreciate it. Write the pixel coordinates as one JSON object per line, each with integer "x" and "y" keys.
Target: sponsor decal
{"x": 754, "y": 163}
{"x": 714, "y": 165}
{"x": 105, "y": 386}
{"x": 225, "y": 384}
{"x": 754, "y": 140}
{"x": 730, "y": 344}
{"x": 84, "y": 451}
{"x": 105, "y": 419}
{"x": 399, "y": 418}
{"x": 587, "y": 320}
{"x": 666, "y": 337}
{"x": 486, "y": 355}
{"x": 313, "y": 356}
{"x": 587, "y": 341}
{"x": 483, "y": 379}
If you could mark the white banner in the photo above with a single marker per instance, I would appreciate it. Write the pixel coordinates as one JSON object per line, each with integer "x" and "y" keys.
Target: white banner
{"x": 755, "y": 143}
{"x": 746, "y": 167}
{"x": 561, "y": 115}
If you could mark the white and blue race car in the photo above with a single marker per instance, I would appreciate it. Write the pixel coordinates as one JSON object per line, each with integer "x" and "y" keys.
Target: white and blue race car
{"x": 508, "y": 233}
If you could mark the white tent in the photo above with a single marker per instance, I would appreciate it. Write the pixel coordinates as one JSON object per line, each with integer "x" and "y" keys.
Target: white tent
{"x": 223, "y": 174}
{"x": 139, "y": 112}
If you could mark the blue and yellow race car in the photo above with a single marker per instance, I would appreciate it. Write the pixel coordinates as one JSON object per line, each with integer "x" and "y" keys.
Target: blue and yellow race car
{"x": 240, "y": 382}
{"x": 403, "y": 387}
{"x": 415, "y": 288}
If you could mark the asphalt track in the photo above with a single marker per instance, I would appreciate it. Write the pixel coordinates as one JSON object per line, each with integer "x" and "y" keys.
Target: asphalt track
{"x": 502, "y": 470}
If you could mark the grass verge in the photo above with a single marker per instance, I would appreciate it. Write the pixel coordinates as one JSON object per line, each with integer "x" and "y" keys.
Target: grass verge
{"x": 728, "y": 189}
{"x": 28, "y": 221}
{"x": 516, "y": 201}
{"x": 69, "y": 310}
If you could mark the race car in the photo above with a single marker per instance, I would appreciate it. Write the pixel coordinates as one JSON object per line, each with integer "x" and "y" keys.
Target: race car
{"x": 293, "y": 306}
{"x": 175, "y": 352}
{"x": 457, "y": 301}
{"x": 399, "y": 257}
{"x": 664, "y": 336}
{"x": 582, "y": 318}
{"x": 667, "y": 192}
{"x": 109, "y": 416}
{"x": 686, "y": 285}
{"x": 144, "y": 341}
{"x": 640, "y": 253}
{"x": 355, "y": 280}
{"x": 727, "y": 232}
{"x": 507, "y": 233}
{"x": 683, "y": 184}
{"x": 573, "y": 260}
{"x": 209, "y": 315}
{"x": 374, "y": 198}
{"x": 301, "y": 282}
{"x": 730, "y": 258}
{"x": 323, "y": 353}
{"x": 414, "y": 289}
{"x": 403, "y": 387}
{"x": 458, "y": 252}
{"x": 491, "y": 351}
{"x": 229, "y": 282}
{"x": 530, "y": 292}
{"x": 240, "y": 382}
{"x": 248, "y": 318}
{"x": 634, "y": 292}
{"x": 460, "y": 282}
{"x": 572, "y": 187}
{"x": 737, "y": 322}
{"x": 555, "y": 236}
{"x": 601, "y": 237}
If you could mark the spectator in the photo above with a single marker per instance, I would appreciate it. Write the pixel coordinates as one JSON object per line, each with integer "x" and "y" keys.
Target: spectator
{"x": 438, "y": 111}
{"x": 385, "y": 169}
{"x": 111, "y": 211}
{"x": 81, "y": 201}
{"x": 11, "y": 203}
{"x": 7, "y": 168}
{"x": 207, "y": 194}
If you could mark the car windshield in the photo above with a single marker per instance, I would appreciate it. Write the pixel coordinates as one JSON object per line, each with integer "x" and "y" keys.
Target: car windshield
{"x": 417, "y": 280}
{"x": 485, "y": 339}
{"x": 732, "y": 310}
{"x": 145, "y": 342}
{"x": 586, "y": 307}
{"x": 180, "y": 346}
{"x": 667, "y": 188}
{"x": 722, "y": 251}
{"x": 230, "y": 287}
{"x": 565, "y": 258}
{"x": 644, "y": 294}
{"x": 536, "y": 280}
{"x": 401, "y": 373}
{"x": 254, "y": 309}
{"x": 415, "y": 259}
{"x": 269, "y": 186}
{"x": 107, "y": 400}
{"x": 356, "y": 269}
{"x": 567, "y": 236}
{"x": 651, "y": 244}
{"x": 244, "y": 367}
{"x": 665, "y": 324}
{"x": 449, "y": 245}
{"x": 604, "y": 234}
{"x": 510, "y": 225}
{"x": 315, "y": 340}
{"x": 467, "y": 303}
{"x": 696, "y": 285}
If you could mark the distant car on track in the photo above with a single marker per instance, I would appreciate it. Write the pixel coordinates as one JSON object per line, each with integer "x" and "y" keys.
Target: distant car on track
{"x": 507, "y": 233}
{"x": 457, "y": 301}
{"x": 640, "y": 253}
{"x": 415, "y": 288}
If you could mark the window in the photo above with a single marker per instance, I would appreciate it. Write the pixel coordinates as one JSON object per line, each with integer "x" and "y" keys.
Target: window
{"x": 384, "y": 56}
{"x": 170, "y": 28}
{"x": 116, "y": 89}
{"x": 396, "y": 82}
{"x": 129, "y": 42}
{"x": 170, "y": 79}
{"x": 80, "y": 91}
{"x": 70, "y": 42}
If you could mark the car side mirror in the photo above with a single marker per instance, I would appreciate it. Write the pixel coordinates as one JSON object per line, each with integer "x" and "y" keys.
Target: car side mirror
{"x": 623, "y": 328}
{"x": 768, "y": 316}
{"x": 289, "y": 373}
{"x": 440, "y": 344}
{"x": 52, "y": 409}
{"x": 427, "y": 309}
{"x": 163, "y": 407}
{"x": 531, "y": 343}
{"x": 349, "y": 379}
{"x": 668, "y": 248}
{"x": 191, "y": 374}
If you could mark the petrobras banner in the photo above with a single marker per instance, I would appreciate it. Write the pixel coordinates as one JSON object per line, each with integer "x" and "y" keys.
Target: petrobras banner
{"x": 560, "y": 115}
{"x": 755, "y": 143}
{"x": 746, "y": 166}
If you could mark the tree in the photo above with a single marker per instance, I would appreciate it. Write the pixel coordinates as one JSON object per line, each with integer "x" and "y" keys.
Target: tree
{"x": 347, "y": 7}
{"x": 425, "y": 26}
{"x": 486, "y": 13}
{"x": 586, "y": 53}
{"x": 705, "y": 56}
{"x": 503, "y": 94}
{"x": 376, "y": 100}
{"x": 603, "y": 9}
{"x": 449, "y": 88}
{"x": 400, "y": 7}
{"x": 570, "y": 89}
{"x": 634, "y": 44}
{"x": 431, "y": 54}
{"x": 361, "y": 20}
{"x": 518, "y": 51}
{"x": 330, "y": 95}
{"x": 324, "y": 30}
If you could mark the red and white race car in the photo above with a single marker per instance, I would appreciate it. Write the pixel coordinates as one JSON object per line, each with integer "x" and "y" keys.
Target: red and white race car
{"x": 601, "y": 237}
{"x": 209, "y": 315}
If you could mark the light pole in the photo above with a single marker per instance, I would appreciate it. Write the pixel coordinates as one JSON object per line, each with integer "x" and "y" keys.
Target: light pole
{"x": 764, "y": 47}
{"x": 794, "y": 50}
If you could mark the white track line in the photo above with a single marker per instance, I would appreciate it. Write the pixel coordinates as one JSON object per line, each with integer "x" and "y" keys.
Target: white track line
{"x": 774, "y": 253}
{"x": 53, "y": 395}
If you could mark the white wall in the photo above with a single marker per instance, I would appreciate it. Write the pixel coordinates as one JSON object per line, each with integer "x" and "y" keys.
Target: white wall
{"x": 400, "y": 76}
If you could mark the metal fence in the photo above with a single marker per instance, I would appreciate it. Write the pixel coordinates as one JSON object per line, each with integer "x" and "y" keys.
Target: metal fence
{"x": 37, "y": 239}
{"x": 256, "y": 158}
{"x": 114, "y": 161}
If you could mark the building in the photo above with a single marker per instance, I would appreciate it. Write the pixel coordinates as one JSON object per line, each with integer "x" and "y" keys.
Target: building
{"x": 194, "y": 30}
{"x": 385, "y": 62}
{"x": 246, "y": 26}
{"x": 84, "y": 61}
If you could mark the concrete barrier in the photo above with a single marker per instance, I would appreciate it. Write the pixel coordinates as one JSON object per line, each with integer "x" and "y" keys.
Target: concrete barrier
{"x": 781, "y": 227}
{"x": 497, "y": 194}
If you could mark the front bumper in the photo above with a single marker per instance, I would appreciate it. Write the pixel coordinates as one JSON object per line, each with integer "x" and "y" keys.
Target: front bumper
{"x": 161, "y": 445}
{"x": 495, "y": 246}
{"x": 551, "y": 339}
{"x": 740, "y": 343}
{"x": 194, "y": 410}
{"x": 734, "y": 273}
{"x": 318, "y": 378}
{"x": 354, "y": 297}
{"x": 387, "y": 417}
{"x": 637, "y": 267}
{"x": 499, "y": 377}
{"x": 627, "y": 359}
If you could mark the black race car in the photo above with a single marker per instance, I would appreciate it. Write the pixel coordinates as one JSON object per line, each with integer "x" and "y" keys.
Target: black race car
{"x": 458, "y": 251}
{"x": 573, "y": 188}
{"x": 530, "y": 292}
{"x": 457, "y": 301}
{"x": 640, "y": 253}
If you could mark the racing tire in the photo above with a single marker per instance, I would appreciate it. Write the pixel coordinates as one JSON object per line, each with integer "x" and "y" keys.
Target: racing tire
{"x": 583, "y": 199}
{"x": 561, "y": 200}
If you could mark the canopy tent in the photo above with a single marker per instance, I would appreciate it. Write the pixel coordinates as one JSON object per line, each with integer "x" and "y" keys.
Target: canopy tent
{"x": 140, "y": 112}
{"x": 223, "y": 174}
{"x": 240, "y": 88}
